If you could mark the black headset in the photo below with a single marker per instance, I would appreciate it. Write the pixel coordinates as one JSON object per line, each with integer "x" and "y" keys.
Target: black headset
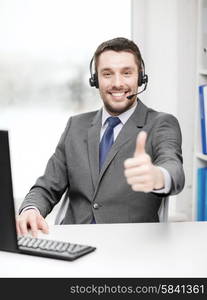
{"x": 142, "y": 79}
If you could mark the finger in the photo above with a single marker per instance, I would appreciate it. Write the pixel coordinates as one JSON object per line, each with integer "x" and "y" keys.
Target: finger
{"x": 33, "y": 227}
{"x": 23, "y": 227}
{"x": 140, "y": 143}
{"x": 137, "y": 171}
{"x": 130, "y": 163}
{"x": 138, "y": 180}
{"x": 141, "y": 188}
{"x": 42, "y": 224}
{"x": 17, "y": 227}
{"x": 137, "y": 161}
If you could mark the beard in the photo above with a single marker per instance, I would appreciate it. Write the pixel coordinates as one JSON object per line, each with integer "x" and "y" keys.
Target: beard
{"x": 116, "y": 110}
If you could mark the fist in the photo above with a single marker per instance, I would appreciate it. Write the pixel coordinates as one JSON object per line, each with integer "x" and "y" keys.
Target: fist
{"x": 139, "y": 171}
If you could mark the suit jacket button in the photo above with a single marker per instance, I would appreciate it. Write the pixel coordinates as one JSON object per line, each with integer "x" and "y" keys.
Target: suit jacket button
{"x": 95, "y": 205}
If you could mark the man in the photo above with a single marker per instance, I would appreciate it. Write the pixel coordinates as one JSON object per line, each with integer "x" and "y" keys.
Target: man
{"x": 117, "y": 163}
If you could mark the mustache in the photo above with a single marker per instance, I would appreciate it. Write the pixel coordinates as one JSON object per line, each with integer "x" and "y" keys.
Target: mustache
{"x": 118, "y": 90}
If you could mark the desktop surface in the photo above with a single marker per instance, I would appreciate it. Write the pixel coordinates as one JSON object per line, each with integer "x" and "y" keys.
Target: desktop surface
{"x": 123, "y": 250}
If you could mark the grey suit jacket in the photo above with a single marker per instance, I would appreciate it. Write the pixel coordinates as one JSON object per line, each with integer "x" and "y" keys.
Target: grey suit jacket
{"x": 75, "y": 166}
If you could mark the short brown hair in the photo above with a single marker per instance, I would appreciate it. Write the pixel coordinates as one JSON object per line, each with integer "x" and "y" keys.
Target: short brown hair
{"x": 119, "y": 44}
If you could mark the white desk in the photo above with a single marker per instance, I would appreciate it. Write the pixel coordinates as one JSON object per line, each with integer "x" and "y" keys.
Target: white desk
{"x": 123, "y": 250}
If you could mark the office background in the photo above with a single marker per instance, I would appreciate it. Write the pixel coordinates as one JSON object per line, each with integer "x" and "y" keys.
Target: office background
{"x": 167, "y": 32}
{"x": 44, "y": 57}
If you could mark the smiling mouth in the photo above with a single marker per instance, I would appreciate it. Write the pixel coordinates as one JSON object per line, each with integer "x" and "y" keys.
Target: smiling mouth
{"x": 118, "y": 94}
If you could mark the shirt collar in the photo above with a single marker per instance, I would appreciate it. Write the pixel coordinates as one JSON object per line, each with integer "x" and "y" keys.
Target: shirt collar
{"x": 123, "y": 116}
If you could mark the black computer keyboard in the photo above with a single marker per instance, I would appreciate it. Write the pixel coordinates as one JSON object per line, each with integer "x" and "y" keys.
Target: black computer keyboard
{"x": 52, "y": 248}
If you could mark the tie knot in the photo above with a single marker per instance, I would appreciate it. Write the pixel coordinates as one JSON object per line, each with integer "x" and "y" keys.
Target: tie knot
{"x": 113, "y": 121}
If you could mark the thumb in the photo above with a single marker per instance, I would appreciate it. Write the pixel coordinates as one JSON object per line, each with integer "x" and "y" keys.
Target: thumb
{"x": 140, "y": 143}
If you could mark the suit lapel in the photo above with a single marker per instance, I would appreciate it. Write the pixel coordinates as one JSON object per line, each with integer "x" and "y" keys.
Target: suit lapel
{"x": 93, "y": 146}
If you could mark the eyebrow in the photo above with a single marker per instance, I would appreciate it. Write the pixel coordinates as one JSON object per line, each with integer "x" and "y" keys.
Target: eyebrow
{"x": 110, "y": 69}
{"x": 105, "y": 69}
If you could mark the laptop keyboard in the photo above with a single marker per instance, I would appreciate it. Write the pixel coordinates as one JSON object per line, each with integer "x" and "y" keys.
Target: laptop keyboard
{"x": 52, "y": 248}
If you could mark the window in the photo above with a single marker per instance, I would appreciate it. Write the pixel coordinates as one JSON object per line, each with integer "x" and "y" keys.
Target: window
{"x": 45, "y": 50}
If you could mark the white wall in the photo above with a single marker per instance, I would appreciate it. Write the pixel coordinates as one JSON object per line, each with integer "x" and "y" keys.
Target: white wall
{"x": 165, "y": 31}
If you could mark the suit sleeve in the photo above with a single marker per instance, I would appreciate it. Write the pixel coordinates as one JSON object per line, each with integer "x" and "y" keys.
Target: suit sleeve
{"x": 167, "y": 151}
{"x": 50, "y": 187}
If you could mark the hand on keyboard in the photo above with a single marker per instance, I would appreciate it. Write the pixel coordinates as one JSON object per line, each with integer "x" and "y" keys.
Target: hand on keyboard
{"x": 31, "y": 219}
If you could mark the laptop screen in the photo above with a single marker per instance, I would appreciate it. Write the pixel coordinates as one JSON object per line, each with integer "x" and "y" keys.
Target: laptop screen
{"x": 8, "y": 236}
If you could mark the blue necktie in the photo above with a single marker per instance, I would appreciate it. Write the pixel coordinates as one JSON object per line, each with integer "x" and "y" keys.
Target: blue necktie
{"x": 107, "y": 139}
{"x": 106, "y": 143}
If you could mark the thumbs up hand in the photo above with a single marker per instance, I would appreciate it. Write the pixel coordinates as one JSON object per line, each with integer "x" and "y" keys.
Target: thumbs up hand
{"x": 139, "y": 171}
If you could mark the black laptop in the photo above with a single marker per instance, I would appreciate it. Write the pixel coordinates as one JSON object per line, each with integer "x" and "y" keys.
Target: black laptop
{"x": 9, "y": 241}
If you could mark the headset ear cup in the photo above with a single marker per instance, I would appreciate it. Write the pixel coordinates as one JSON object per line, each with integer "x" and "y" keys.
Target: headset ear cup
{"x": 140, "y": 79}
{"x": 93, "y": 81}
{"x": 96, "y": 80}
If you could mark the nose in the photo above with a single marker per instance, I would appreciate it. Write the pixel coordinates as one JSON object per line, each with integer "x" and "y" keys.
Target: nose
{"x": 117, "y": 81}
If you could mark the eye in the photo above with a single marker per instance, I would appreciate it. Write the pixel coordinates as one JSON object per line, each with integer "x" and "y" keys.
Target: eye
{"x": 127, "y": 73}
{"x": 106, "y": 74}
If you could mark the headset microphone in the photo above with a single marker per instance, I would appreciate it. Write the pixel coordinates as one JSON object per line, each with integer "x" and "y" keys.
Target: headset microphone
{"x": 131, "y": 96}
{"x": 145, "y": 81}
